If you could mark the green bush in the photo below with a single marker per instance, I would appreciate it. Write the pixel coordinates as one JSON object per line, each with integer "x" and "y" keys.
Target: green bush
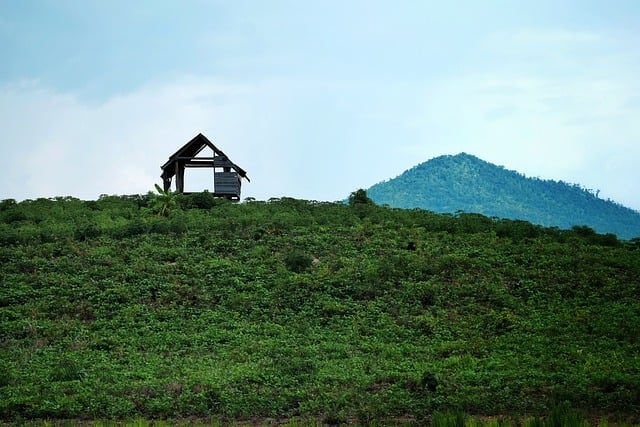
{"x": 297, "y": 261}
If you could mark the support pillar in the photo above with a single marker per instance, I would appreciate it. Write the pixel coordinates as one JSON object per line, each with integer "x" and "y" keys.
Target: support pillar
{"x": 179, "y": 177}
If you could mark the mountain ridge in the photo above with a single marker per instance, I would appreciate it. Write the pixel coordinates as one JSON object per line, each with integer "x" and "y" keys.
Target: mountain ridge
{"x": 464, "y": 182}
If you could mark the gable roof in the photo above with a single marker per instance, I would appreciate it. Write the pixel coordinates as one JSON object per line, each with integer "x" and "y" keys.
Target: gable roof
{"x": 190, "y": 150}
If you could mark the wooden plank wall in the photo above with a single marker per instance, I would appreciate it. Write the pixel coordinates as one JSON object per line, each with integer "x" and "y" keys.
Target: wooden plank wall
{"x": 226, "y": 183}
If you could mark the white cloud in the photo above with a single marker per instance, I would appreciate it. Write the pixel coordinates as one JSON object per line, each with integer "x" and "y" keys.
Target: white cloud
{"x": 57, "y": 145}
{"x": 551, "y": 103}
{"x": 320, "y": 141}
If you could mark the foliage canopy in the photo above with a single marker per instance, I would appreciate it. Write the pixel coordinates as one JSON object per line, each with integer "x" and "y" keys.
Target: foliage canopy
{"x": 299, "y": 308}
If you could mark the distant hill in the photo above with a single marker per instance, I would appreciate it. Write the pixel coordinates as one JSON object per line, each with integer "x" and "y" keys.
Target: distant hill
{"x": 466, "y": 183}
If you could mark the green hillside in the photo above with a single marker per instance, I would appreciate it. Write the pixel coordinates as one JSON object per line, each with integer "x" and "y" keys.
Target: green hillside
{"x": 324, "y": 311}
{"x": 466, "y": 183}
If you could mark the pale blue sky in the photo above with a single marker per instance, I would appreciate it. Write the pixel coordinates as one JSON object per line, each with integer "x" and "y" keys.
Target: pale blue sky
{"x": 316, "y": 99}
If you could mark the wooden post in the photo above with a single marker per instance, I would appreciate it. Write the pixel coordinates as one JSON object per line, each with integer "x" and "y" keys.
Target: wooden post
{"x": 179, "y": 177}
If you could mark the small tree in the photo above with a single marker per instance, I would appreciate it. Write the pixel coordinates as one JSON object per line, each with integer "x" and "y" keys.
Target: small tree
{"x": 359, "y": 197}
{"x": 163, "y": 202}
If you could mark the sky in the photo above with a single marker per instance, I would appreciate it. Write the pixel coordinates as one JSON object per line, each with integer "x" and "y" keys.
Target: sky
{"x": 315, "y": 99}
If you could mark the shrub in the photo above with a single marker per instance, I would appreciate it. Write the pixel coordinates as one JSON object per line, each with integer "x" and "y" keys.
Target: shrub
{"x": 359, "y": 197}
{"x": 297, "y": 261}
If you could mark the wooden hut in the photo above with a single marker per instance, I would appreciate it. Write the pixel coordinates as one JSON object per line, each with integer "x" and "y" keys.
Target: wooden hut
{"x": 226, "y": 174}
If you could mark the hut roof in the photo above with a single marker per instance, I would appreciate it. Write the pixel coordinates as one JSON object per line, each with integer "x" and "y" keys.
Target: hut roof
{"x": 190, "y": 150}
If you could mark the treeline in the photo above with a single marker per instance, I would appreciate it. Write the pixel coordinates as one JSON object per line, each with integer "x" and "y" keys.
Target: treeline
{"x": 46, "y": 220}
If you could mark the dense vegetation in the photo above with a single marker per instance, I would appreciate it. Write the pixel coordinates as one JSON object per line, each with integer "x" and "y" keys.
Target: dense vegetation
{"x": 292, "y": 308}
{"x": 466, "y": 183}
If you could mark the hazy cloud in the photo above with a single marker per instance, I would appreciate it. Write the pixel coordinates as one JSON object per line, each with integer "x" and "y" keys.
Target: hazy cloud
{"x": 316, "y": 101}
{"x": 62, "y": 145}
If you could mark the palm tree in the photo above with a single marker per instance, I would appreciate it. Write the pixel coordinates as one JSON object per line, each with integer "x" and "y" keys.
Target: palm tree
{"x": 163, "y": 202}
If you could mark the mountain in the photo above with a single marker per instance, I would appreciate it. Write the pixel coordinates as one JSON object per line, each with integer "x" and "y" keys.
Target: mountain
{"x": 466, "y": 183}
